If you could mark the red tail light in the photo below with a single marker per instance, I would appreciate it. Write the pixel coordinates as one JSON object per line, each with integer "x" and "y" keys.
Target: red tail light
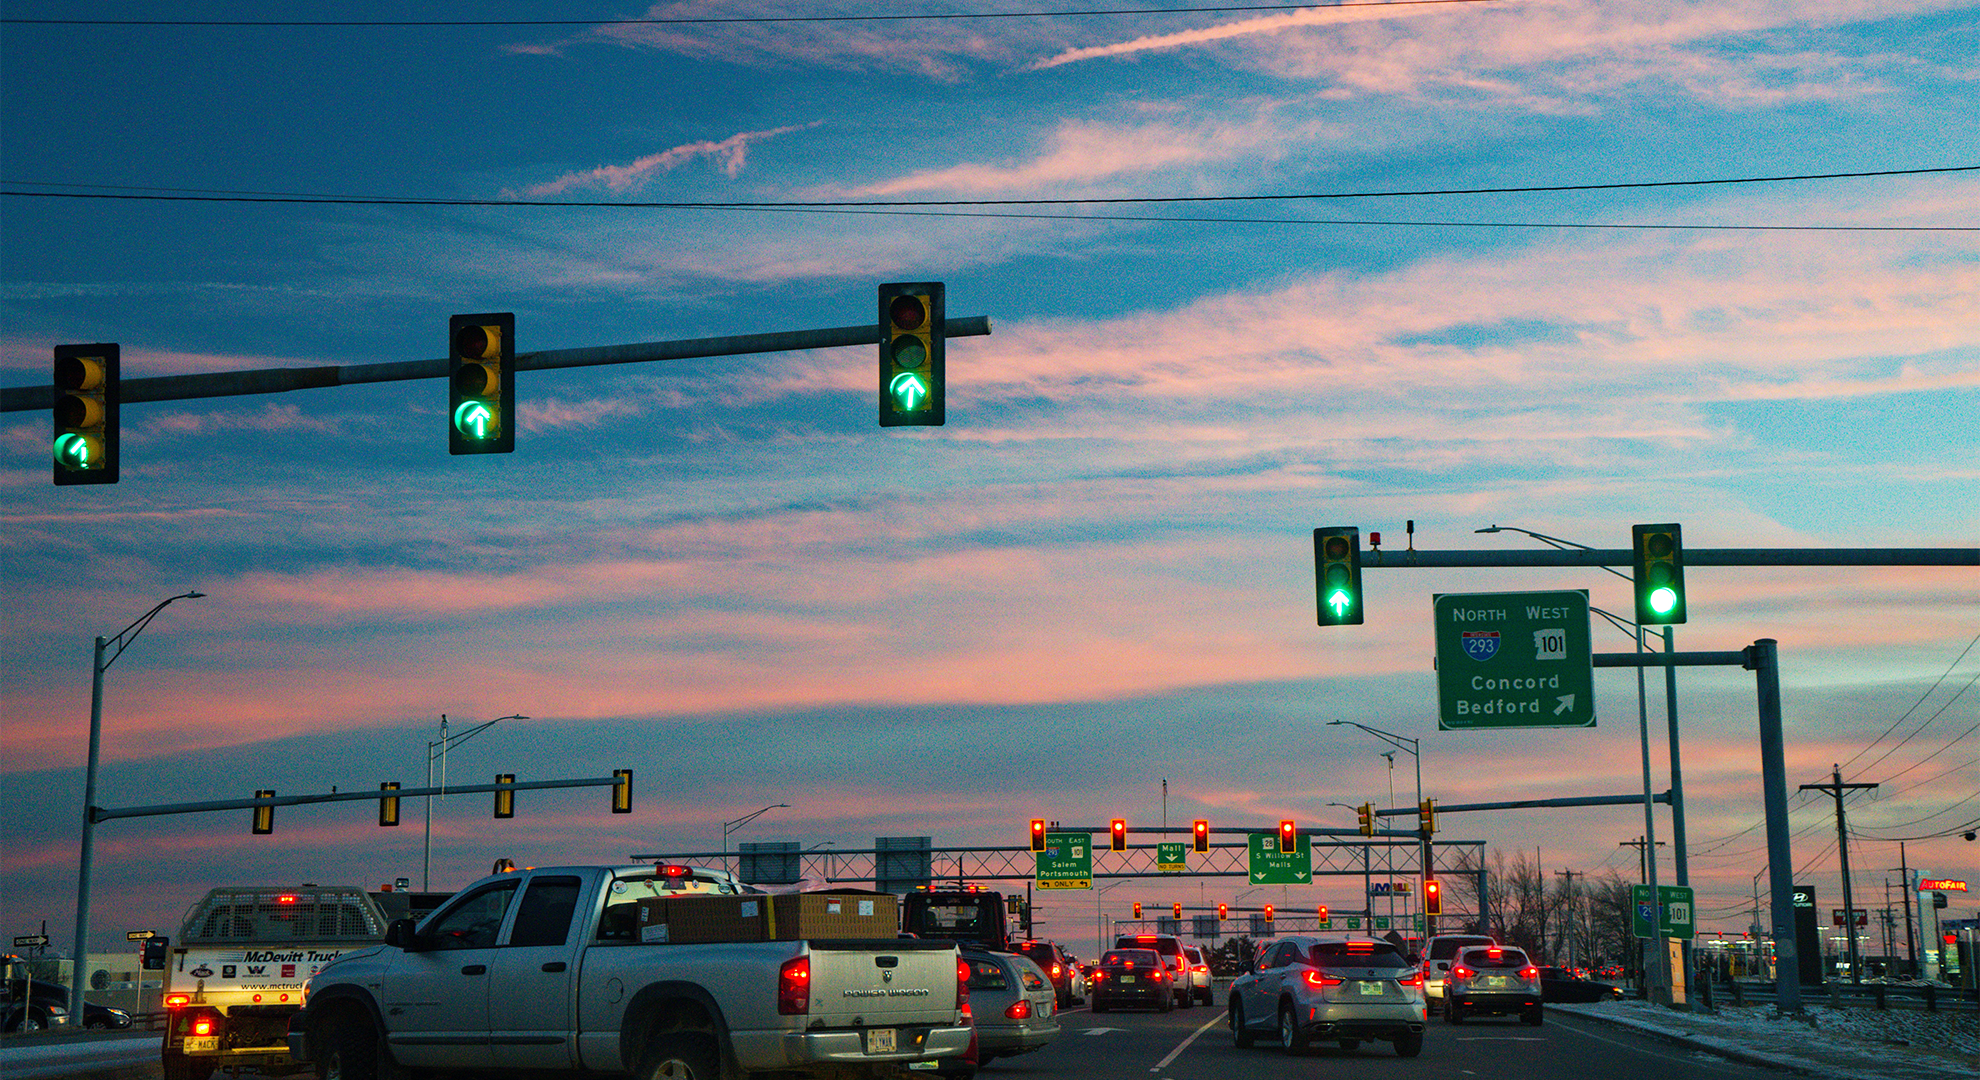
{"x": 794, "y": 987}
{"x": 177, "y": 1001}
{"x": 1057, "y": 971}
{"x": 1415, "y": 979}
{"x": 1317, "y": 980}
{"x": 1019, "y": 1010}
{"x": 1097, "y": 976}
{"x": 673, "y": 871}
{"x": 962, "y": 984}
{"x": 285, "y": 899}
{"x": 1529, "y": 972}
{"x": 1201, "y": 967}
{"x": 203, "y": 1025}
{"x": 1459, "y": 971}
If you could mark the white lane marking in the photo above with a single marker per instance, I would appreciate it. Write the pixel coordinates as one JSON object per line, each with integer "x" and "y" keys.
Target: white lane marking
{"x": 1177, "y": 1052}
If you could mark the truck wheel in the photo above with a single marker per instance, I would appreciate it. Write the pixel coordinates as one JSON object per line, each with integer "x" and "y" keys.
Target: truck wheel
{"x": 681, "y": 1056}
{"x": 350, "y": 1051}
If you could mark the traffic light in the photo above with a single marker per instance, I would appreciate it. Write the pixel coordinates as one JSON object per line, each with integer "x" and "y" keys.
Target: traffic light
{"x": 1366, "y": 816}
{"x": 1659, "y": 559}
{"x": 1038, "y": 834}
{"x": 1433, "y": 897}
{"x": 1426, "y": 816}
{"x": 911, "y": 368}
{"x": 1137, "y": 909}
{"x": 1223, "y": 910}
{"x": 1288, "y": 837}
{"x": 1117, "y": 834}
{"x": 1178, "y": 909}
{"x": 1324, "y": 917}
{"x": 1268, "y": 913}
{"x": 1199, "y": 832}
{"x": 388, "y": 805}
{"x": 264, "y": 816}
{"x": 1337, "y": 574}
{"x": 505, "y": 799}
{"x": 481, "y": 378}
{"x": 85, "y": 414}
{"x": 622, "y": 791}
{"x": 156, "y": 949}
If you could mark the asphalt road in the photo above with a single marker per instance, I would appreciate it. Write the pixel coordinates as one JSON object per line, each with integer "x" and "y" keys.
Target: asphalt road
{"x": 1187, "y": 1044}
{"x": 1195, "y": 1044}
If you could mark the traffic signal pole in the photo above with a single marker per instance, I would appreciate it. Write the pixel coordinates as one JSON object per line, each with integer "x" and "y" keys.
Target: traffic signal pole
{"x": 281, "y": 380}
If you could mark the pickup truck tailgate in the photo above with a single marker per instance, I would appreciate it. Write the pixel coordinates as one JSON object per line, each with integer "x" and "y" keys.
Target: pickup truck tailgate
{"x": 866, "y": 986}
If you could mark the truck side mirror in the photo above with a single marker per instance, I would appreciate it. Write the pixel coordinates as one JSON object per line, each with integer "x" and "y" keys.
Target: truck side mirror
{"x": 399, "y": 935}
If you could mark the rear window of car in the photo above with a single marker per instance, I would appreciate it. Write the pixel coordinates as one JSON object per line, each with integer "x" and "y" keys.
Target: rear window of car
{"x": 1484, "y": 958}
{"x": 1137, "y": 957}
{"x": 1356, "y": 954}
{"x": 1032, "y": 980}
{"x": 1166, "y": 945}
{"x": 987, "y": 975}
{"x": 1448, "y": 947}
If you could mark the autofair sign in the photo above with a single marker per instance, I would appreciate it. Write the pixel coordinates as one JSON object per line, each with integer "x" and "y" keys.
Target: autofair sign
{"x": 1941, "y": 885}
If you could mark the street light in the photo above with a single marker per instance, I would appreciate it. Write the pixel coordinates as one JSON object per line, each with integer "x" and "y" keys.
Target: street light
{"x": 1414, "y": 746}
{"x": 731, "y": 826}
{"x": 438, "y": 748}
{"x": 100, "y": 665}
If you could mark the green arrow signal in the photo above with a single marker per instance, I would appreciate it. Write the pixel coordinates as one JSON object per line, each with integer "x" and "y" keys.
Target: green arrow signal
{"x": 1340, "y": 602}
{"x": 72, "y": 450}
{"x": 473, "y": 418}
{"x": 909, "y": 391}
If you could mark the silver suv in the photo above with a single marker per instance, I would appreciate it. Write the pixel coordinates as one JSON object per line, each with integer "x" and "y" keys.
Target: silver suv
{"x": 1492, "y": 980}
{"x": 1314, "y": 988}
{"x": 1438, "y": 953}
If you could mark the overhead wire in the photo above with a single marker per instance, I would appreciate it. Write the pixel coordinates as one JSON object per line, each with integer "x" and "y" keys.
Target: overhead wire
{"x": 1914, "y": 706}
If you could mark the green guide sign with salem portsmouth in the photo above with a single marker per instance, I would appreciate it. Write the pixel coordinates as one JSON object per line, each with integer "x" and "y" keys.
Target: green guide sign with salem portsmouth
{"x": 1514, "y": 660}
{"x": 1067, "y": 861}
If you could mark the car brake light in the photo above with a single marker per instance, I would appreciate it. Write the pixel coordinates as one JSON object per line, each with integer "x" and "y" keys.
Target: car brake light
{"x": 285, "y": 899}
{"x": 177, "y": 1001}
{"x": 1201, "y": 967}
{"x": 1314, "y": 978}
{"x": 673, "y": 871}
{"x": 1415, "y": 979}
{"x": 1097, "y": 976}
{"x": 794, "y": 987}
{"x": 1493, "y": 952}
{"x": 1019, "y": 1010}
{"x": 1529, "y": 972}
{"x": 962, "y": 983}
{"x": 1461, "y": 972}
{"x": 202, "y": 1025}
{"x": 1361, "y": 946}
{"x": 1057, "y": 971}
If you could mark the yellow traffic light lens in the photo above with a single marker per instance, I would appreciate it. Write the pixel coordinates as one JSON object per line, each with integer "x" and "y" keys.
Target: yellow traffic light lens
{"x": 477, "y": 380}
{"x": 909, "y": 352}
{"x": 1658, "y": 545}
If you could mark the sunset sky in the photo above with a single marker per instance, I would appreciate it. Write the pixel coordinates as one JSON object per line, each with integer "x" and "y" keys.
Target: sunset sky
{"x": 1098, "y": 575}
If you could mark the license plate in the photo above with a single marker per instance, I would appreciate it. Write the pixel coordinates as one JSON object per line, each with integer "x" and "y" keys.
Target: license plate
{"x": 880, "y": 1040}
{"x": 1127, "y": 978}
{"x": 1495, "y": 980}
{"x": 203, "y": 1043}
{"x": 1371, "y": 989}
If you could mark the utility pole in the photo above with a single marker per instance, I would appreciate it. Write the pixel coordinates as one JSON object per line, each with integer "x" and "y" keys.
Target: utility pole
{"x": 1642, "y": 862}
{"x": 1836, "y": 787}
{"x": 1643, "y": 849}
{"x": 1910, "y": 941}
{"x": 1574, "y": 910}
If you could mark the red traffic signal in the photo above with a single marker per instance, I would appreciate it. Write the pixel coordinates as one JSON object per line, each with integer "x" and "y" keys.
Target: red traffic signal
{"x": 1137, "y": 909}
{"x": 1038, "y": 834}
{"x": 1178, "y": 909}
{"x": 1323, "y": 913}
{"x": 1268, "y": 913}
{"x": 1223, "y": 910}
{"x": 1433, "y": 897}
{"x": 1117, "y": 834}
{"x": 1200, "y": 832}
{"x": 1288, "y": 837}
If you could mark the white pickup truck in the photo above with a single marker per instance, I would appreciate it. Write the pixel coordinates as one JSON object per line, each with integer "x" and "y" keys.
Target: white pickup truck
{"x": 546, "y": 969}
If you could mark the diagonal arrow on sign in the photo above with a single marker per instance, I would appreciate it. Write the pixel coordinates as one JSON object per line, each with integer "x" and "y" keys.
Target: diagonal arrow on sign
{"x": 1566, "y": 704}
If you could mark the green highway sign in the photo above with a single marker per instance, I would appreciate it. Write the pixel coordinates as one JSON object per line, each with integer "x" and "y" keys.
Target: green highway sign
{"x": 1171, "y": 858}
{"x": 1269, "y": 867}
{"x": 1514, "y": 660}
{"x": 1067, "y": 861}
{"x": 1674, "y": 921}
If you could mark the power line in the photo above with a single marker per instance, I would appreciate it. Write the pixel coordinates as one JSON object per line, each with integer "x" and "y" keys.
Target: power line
{"x": 1914, "y": 706}
{"x": 705, "y": 20}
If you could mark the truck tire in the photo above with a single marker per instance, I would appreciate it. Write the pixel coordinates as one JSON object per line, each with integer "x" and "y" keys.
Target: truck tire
{"x": 681, "y": 1055}
{"x": 350, "y": 1050}
{"x": 180, "y": 1067}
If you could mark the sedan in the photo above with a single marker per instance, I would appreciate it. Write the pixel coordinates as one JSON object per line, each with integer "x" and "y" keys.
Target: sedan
{"x": 1132, "y": 977}
{"x": 1560, "y": 984}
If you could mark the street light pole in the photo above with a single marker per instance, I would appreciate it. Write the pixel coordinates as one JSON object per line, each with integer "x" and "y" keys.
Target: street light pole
{"x": 1423, "y": 856}
{"x": 731, "y": 826}
{"x": 98, "y": 666}
{"x": 445, "y": 743}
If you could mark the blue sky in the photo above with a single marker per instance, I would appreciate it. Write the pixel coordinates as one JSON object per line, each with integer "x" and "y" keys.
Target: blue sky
{"x": 1098, "y": 574}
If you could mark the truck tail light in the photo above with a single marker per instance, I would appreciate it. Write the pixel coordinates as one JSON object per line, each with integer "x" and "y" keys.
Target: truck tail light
{"x": 204, "y": 1025}
{"x": 794, "y": 987}
{"x": 1019, "y": 1010}
{"x": 962, "y": 984}
{"x": 177, "y": 1001}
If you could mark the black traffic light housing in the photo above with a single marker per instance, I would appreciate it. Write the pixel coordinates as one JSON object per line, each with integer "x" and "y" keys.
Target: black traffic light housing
{"x": 1038, "y": 834}
{"x": 1658, "y": 556}
{"x": 505, "y": 798}
{"x": 1117, "y": 834}
{"x": 264, "y": 816}
{"x": 1288, "y": 837}
{"x": 1337, "y": 574}
{"x": 481, "y": 383}
{"x": 388, "y": 805}
{"x": 913, "y": 376}
{"x": 1199, "y": 831}
{"x": 85, "y": 414}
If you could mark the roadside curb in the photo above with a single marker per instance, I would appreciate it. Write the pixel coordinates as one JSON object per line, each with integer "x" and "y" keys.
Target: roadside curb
{"x": 1798, "y": 1066}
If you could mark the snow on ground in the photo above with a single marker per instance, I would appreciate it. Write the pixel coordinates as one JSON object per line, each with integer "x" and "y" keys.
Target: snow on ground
{"x": 1901, "y": 1044}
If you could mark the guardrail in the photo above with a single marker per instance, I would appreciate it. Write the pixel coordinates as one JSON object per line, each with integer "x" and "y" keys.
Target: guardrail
{"x": 1867, "y": 995}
